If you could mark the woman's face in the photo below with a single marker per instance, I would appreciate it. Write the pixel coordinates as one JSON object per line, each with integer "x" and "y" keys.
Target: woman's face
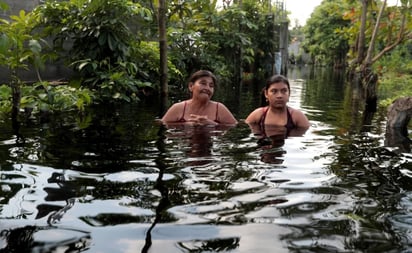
{"x": 202, "y": 88}
{"x": 278, "y": 95}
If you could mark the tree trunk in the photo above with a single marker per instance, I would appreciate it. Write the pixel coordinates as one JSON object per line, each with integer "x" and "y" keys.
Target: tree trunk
{"x": 360, "y": 47}
{"x": 398, "y": 117}
{"x": 164, "y": 93}
{"x": 361, "y": 68}
{"x": 16, "y": 96}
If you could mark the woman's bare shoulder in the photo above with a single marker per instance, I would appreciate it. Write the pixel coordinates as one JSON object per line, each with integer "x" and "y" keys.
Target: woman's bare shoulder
{"x": 174, "y": 112}
{"x": 178, "y": 105}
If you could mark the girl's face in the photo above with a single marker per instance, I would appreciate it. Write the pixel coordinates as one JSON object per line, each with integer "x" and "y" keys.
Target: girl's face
{"x": 202, "y": 88}
{"x": 278, "y": 95}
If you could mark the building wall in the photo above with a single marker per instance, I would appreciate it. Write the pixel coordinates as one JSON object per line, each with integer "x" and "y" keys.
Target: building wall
{"x": 16, "y": 5}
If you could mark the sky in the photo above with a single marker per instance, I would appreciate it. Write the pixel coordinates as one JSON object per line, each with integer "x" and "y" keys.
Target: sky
{"x": 300, "y": 10}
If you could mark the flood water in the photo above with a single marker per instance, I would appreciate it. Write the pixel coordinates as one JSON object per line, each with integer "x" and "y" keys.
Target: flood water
{"x": 116, "y": 181}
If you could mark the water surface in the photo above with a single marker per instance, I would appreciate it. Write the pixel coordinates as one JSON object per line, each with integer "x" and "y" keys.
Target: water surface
{"x": 117, "y": 181}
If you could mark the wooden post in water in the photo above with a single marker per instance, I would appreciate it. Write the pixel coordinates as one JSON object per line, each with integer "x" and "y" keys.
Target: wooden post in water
{"x": 283, "y": 47}
{"x": 283, "y": 38}
{"x": 283, "y": 33}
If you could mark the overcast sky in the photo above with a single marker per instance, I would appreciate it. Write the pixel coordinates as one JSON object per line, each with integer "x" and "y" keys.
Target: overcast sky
{"x": 301, "y": 9}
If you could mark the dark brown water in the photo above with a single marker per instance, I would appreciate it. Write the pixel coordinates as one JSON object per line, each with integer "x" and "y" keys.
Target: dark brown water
{"x": 116, "y": 181}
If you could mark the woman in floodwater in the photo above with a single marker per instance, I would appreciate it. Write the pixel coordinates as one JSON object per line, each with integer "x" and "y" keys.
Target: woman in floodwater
{"x": 200, "y": 109}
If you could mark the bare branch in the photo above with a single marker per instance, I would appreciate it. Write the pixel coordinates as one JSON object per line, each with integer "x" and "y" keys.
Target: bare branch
{"x": 368, "y": 59}
{"x": 402, "y": 36}
{"x": 384, "y": 51}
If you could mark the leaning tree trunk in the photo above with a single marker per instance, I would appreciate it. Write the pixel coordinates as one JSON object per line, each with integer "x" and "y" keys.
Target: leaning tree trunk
{"x": 362, "y": 73}
{"x": 369, "y": 78}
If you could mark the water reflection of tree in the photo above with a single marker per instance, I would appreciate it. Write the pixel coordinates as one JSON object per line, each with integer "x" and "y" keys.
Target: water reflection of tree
{"x": 373, "y": 176}
{"x": 197, "y": 141}
{"x": 212, "y": 245}
{"x": 24, "y": 239}
{"x": 199, "y": 144}
{"x": 161, "y": 187}
{"x": 103, "y": 139}
{"x": 271, "y": 140}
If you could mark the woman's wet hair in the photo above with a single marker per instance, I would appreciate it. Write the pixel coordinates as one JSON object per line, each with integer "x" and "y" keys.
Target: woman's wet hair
{"x": 202, "y": 73}
{"x": 271, "y": 80}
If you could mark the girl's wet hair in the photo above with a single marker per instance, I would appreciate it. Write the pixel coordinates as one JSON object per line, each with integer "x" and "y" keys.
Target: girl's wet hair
{"x": 271, "y": 80}
{"x": 277, "y": 79}
{"x": 202, "y": 73}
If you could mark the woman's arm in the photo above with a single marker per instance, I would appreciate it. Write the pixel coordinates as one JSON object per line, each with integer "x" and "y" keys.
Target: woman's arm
{"x": 225, "y": 116}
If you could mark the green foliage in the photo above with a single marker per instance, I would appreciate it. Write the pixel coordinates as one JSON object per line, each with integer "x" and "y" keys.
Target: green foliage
{"x": 396, "y": 74}
{"x": 46, "y": 97}
{"x": 19, "y": 46}
{"x": 221, "y": 39}
{"x": 99, "y": 36}
{"x": 148, "y": 52}
{"x": 198, "y": 42}
{"x": 113, "y": 46}
{"x": 392, "y": 87}
{"x": 324, "y": 39}
{"x": 3, "y": 6}
{"x": 5, "y": 100}
{"x": 391, "y": 31}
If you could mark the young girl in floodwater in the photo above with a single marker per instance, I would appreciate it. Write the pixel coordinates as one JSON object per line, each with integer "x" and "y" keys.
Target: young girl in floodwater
{"x": 277, "y": 112}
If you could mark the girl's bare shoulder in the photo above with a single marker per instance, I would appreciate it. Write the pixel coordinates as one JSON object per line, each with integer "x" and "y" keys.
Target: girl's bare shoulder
{"x": 255, "y": 115}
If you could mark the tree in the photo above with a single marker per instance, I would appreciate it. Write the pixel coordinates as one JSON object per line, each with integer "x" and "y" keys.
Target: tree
{"x": 163, "y": 55}
{"x": 324, "y": 39}
{"x": 98, "y": 38}
{"x": 376, "y": 30}
{"x": 19, "y": 49}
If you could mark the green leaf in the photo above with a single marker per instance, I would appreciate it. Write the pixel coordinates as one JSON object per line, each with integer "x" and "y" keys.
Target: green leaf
{"x": 111, "y": 41}
{"x": 4, "y": 43}
{"x": 35, "y": 46}
{"x": 102, "y": 39}
{"x": 82, "y": 65}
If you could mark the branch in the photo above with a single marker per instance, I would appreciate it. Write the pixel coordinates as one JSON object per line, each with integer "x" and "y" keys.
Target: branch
{"x": 385, "y": 50}
{"x": 400, "y": 38}
{"x": 368, "y": 59}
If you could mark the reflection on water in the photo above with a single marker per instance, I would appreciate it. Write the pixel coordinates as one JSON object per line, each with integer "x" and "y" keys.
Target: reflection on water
{"x": 123, "y": 183}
